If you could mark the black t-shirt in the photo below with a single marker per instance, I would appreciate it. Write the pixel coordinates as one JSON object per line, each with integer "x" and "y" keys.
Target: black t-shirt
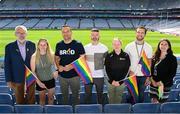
{"x": 69, "y": 53}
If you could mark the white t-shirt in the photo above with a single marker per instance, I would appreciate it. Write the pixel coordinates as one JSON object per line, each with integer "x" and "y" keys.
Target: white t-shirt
{"x": 95, "y": 58}
{"x": 134, "y": 50}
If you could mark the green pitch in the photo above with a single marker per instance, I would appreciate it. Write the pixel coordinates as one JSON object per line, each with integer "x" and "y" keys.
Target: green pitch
{"x": 54, "y": 36}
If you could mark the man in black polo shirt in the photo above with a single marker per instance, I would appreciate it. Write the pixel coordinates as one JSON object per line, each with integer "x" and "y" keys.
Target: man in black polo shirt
{"x": 67, "y": 51}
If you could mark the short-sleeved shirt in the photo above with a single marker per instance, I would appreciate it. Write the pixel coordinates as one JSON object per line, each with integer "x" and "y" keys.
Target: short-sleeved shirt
{"x": 134, "y": 50}
{"x": 69, "y": 53}
{"x": 95, "y": 56}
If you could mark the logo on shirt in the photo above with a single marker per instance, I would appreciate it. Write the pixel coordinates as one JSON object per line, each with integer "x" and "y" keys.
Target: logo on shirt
{"x": 122, "y": 58}
{"x": 67, "y": 52}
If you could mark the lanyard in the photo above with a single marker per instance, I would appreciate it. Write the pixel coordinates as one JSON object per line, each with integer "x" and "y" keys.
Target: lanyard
{"x": 139, "y": 55}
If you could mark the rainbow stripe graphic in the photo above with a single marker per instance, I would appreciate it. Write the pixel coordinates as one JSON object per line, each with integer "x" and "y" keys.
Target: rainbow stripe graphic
{"x": 30, "y": 78}
{"x": 131, "y": 83}
{"x": 81, "y": 67}
{"x": 145, "y": 64}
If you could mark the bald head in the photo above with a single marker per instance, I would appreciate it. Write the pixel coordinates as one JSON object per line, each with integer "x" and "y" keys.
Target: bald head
{"x": 66, "y": 33}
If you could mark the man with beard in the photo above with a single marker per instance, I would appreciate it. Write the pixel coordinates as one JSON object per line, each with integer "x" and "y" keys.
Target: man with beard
{"x": 134, "y": 49}
{"x": 95, "y": 56}
{"x": 67, "y": 51}
{"x": 18, "y": 54}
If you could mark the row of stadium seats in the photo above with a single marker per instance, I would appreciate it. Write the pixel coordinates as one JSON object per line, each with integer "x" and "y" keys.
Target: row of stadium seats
{"x": 86, "y": 23}
{"x": 94, "y": 108}
{"x": 91, "y": 4}
{"x": 9, "y": 98}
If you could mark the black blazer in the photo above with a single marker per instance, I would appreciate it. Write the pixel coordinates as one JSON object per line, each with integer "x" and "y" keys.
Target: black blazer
{"x": 14, "y": 63}
{"x": 166, "y": 70}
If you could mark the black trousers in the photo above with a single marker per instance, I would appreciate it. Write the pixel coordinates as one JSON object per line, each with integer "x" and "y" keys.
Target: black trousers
{"x": 99, "y": 84}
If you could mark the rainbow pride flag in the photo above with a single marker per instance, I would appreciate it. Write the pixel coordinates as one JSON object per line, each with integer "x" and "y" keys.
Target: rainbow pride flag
{"x": 131, "y": 83}
{"x": 161, "y": 90}
{"x": 145, "y": 64}
{"x": 30, "y": 78}
{"x": 81, "y": 67}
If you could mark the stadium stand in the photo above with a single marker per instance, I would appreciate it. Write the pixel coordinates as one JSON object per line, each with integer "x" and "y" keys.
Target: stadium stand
{"x": 28, "y": 109}
{"x": 6, "y": 98}
{"x": 117, "y": 108}
{"x": 89, "y": 108}
{"x": 172, "y": 107}
{"x": 58, "y": 109}
{"x": 93, "y": 4}
{"x": 6, "y": 108}
{"x": 85, "y": 14}
{"x": 146, "y": 108}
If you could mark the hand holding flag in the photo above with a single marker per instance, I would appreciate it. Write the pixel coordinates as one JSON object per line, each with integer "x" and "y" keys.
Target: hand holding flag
{"x": 81, "y": 67}
{"x": 31, "y": 78}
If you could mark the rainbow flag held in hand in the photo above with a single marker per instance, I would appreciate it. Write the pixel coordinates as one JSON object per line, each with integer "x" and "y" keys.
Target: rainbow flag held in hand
{"x": 145, "y": 64}
{"x": 81, "y": 67}
{"x": 161, "y": 91}
{"x": 29, "y": 77}
{"x": 131, "y": 83}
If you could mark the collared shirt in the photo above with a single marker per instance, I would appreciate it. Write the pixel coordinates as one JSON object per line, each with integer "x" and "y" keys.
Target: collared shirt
{"x": 22, "y": 49}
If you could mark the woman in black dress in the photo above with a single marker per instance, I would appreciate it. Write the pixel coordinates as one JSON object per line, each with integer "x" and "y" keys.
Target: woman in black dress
{"x": 163, "y": 70}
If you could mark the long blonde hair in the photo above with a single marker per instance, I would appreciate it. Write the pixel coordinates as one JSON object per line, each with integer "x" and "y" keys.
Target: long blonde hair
{"x": 49, "y": 53}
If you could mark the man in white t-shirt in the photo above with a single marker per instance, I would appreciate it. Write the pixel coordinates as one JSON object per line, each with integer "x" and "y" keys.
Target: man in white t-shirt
{"x": 95, "y": 55}
{"x": 134, "y": 49}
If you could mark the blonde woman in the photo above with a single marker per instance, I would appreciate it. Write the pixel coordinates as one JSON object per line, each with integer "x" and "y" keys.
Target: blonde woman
{"x": 42, "y": 65}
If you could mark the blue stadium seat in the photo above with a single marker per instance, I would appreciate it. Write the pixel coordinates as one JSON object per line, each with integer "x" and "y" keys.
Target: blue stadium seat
{"x": 6, "y": 98}
{"x": 174, "y": 95}
{"x": 170, "y": 107}
{"x": 89, "y": 108}
{"x": 28, "y": 109}
{"x": 5, "y": 89}
{"x": 6, "y": 108}
{"x": 146, "y": 108}
{"x": 37, "y": 98}
{"x": 178, "y": 86}
{"x": 147, "y": 98}
{"x": 105, "y": 98}
{"x": 57, "y": 89}
{"x": 117, "y": 108}
{"x": 58, "y": 98}
{"x": 3, "y": 83}
{"x": 58, "y": 109}
{"x": 93, "y": 98}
